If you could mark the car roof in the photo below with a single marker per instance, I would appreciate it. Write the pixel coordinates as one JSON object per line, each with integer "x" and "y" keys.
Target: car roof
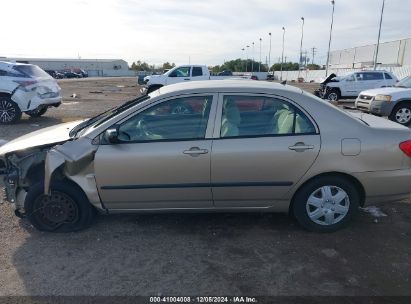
{"x": 228, "y": 85}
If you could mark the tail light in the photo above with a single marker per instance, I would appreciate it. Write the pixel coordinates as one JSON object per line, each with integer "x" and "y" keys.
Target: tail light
{"x": 406, "y": 147}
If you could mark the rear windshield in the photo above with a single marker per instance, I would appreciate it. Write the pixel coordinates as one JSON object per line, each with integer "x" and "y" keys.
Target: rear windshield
{"x": 31, "y": 70}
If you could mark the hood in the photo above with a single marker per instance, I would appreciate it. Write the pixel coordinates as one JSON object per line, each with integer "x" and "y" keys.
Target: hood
{"x": 50, "y": 135}
{"x": 328, "y": 79}
{"x": 385, "y": 91}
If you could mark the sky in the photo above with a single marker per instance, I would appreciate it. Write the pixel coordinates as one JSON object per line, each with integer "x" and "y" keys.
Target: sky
{"x": 200, "y": 31}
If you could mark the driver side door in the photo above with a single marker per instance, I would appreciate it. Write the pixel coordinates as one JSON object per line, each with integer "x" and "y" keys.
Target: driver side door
{"x": 180, "y": 74}
{"x": 163, "y": 158}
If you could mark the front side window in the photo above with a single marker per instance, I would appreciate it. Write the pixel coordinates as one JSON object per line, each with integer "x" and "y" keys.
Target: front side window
{"x": 387, "y": 76}
{"x": 181, "y": 72}
{"x": 260, "y": 116}
{"x": 178, "y": 119}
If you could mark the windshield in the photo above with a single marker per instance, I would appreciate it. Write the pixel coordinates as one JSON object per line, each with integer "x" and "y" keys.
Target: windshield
{"x": 102, "y": 117}
{"x": 31, "y": 70}
{"x": 405, "y": 83}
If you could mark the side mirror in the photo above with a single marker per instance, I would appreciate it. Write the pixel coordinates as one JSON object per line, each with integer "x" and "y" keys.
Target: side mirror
{"x": 111, "y": 135}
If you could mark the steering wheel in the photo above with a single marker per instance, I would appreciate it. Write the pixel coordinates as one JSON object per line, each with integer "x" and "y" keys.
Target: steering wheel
{"x": 181, "y": 108}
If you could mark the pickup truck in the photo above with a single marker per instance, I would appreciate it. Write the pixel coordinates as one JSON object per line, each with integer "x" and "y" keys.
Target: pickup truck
{"x": 181, "y": 74}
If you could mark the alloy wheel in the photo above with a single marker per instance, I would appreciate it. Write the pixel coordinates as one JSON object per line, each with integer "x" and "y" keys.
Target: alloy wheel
{"x": 327, "y": 205}
{"x": 7, "y": 111}
{"x": 333, "y": 96}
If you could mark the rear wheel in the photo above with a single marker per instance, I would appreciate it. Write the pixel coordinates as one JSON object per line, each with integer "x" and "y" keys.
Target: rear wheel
{"x": 326, "y": 204}
{"x": 401, "y": 114}
{"x": 66, "y": 209}
{"x": 37, "y": 112}
{"x": 9, "y": 110}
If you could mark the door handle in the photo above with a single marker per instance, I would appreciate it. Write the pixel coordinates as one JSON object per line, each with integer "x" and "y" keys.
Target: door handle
{"x": 186, "y": 78}
{"x": 301, "y": 147}
{"x": 195, "y": 151}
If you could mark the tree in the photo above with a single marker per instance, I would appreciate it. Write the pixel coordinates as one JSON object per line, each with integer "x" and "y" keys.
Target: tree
{"x": 287, "y": 66}
{"x": 140, "y": 66}
{"x": 167, "y": 65}
{"x": 313, "y": 66}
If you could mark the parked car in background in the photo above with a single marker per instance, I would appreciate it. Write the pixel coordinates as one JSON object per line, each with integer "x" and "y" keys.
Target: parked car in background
{"x": 394, "y": 102}
{"x": 211, "y": 146}
{"x": 25, "y": 88}
{"x": 179, "y": 74}
{"x": 71, "y": 74}
{"x": 55, "y": 74}
{"x": 225, "y": 73}
{"x": 81, "y": 72}
{"x": 334, "y": 88}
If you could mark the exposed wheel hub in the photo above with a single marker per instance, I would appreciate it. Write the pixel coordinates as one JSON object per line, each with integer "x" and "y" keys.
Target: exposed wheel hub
{"x": 57, "y": 208}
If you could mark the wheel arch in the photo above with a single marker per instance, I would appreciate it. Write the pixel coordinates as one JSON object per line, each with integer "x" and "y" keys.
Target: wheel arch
{"x": 357, "y": 184}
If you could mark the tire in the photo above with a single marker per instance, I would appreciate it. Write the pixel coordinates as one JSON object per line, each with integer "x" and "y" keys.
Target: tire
{"x": 316, "y": 211}
{"x": 152, "y": 89}
{"x": 333, "y": 95}
{"x": 9, "y": 110}
{"x": 37, "y": 112}
{"x": 67, "y": 209}
{"x": 401, "y": 114}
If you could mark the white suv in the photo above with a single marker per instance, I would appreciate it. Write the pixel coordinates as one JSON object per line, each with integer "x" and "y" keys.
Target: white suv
{"x": 25, "y": 88}
{"x": 333, "y": 88}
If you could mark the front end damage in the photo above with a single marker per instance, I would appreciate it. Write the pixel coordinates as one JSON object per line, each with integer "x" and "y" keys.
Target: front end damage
{"x": 323, "y": 89}
{"x": 71, "y": 161}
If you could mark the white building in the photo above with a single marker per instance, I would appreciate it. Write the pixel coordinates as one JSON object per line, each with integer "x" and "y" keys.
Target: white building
{"x": 94, "y": 67}
{"x": 391, "y": 54}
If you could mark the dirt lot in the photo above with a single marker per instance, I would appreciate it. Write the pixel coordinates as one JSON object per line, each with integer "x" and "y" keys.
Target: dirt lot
{"x": 196, "y": 254}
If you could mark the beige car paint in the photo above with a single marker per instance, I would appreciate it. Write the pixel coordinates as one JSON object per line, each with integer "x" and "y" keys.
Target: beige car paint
{"x": 381, "y": 167}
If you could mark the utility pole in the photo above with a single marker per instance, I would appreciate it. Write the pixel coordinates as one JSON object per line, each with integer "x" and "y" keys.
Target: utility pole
{"x": 301, "y": 45}
{"x": 379, "y": 36}
{"x": 243, "y": 52}
{"x": 314, "y": 50}
{"x": 246, "y": 62}
{"x": 329, "y": 43}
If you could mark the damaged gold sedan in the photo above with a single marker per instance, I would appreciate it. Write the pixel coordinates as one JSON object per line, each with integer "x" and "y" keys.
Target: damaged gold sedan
{"x": 209, "y": 146}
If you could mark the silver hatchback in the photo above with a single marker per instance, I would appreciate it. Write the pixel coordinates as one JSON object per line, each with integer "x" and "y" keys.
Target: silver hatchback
{"x": 210, "y": 146}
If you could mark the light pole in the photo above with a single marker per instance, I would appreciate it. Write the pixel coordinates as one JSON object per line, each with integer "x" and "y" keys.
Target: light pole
{"x": 243, "y": 51}
{"x": 379, "y": 36}
{"x": 269, "y": 55}
{"x": 301, "y": 45}
{"x": 259, "y": 66}
{"x": 252, "y": 61}
{"x": 329, "y": 43}
{"x": 246, "y": 61}
{"x": 282, "y": 56}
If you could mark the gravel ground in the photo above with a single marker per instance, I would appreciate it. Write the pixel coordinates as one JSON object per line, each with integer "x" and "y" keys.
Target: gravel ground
{"x": 196, "y": 254}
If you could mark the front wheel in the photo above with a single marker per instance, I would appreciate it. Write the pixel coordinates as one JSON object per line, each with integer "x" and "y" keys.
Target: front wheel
{"x": 333, "y": 95}
{"x": 326, "y": 204}
{"x": 66, "y": 209}
{"x": 401, "y": 114}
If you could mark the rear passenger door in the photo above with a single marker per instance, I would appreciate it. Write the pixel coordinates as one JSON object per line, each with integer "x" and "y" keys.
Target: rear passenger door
{"x": 262, "y": 146}
{"x": 197, "y": 73}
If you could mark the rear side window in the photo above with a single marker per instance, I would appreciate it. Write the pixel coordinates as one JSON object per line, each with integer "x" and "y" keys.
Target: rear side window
{"x": 262, "y": 116}
{"x": 387, "y": 76}
{"x": 197, "y": 71}
{"x": 30, "y": 71}
{"x": 373, "y": 76}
